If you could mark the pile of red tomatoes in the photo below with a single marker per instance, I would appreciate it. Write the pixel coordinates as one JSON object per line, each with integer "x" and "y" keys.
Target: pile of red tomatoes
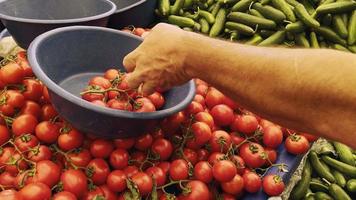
{"x": 212, "y": 150}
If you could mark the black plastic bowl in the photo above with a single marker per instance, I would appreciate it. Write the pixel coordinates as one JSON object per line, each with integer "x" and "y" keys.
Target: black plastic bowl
{"x": 26, "y": 19}
{"x": 139, "y": 13}
{"x": 2, "y": 27}
{"x": 66, "y": 58}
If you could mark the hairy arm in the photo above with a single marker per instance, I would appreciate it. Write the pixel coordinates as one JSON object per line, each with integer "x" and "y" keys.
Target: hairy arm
{"x": 307, "y": 90}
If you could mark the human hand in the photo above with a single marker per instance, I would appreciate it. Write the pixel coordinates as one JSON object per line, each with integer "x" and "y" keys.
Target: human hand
{"x": 160, "y": 61}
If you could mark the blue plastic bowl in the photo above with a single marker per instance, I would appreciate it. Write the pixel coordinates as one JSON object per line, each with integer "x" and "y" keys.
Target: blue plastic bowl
{"x": 26, "y": 19}
{"x": 65, "y": 59}
{"x": 138, "y": 13}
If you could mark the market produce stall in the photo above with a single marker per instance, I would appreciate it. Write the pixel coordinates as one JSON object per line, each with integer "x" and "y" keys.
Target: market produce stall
{"x": 208, "y": 147}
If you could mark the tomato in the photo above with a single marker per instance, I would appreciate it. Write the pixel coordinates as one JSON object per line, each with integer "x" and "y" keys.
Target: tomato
{"x": 215, "y": 157}
{"x": 190, "y": 155}
{"x": 202, "y": 132}
{"x": 10, "y": 195}
{"x": 235, "y": 186}
{"x": 229, "y": 102}
{"x": 31, "y": 107}
{"x": 206, "y": 118}
{"x": 130, "y": 171}
{"x": 143, "y": 182}
{"x": 5, "y": 155}
{"x": 171, "y": 124}
{"x": 158, "y": 133}
{"x": 144, "y": 142}
{"x": 199, "y": 99}
{"x": 157, "y": 174}
{"x": 26, "y": 142}
{"x": 39, "y": 153}
{"x": 7, "y": 180}
{"x": 240, "y": 164}
{"x": 64, "y": 196}
{"x": 246, "y": 124}
{"x": 33, "y": 89}
{"x": 224, "y": 170}
{"x": 271, "y": 155}
{"x": 80, "y": 158}
{"x": 222, "y": 114}
{"x": 138, "y": 157}
{"x": 98, "y": 171}
{"x": 70, "y": 140}
{"x": 252, "y": 182}
{"x": 226, "y": 196}
{"x": 47, "y": 172}
{"x": 163, "y": 148}
{"x": 213, "y": 98}
{"x": 36, "y": 191}
{"x": 165, "y": 166}
{"x": 237, "y": 138}
{"x": 100, "y": 81}
{"x": 310, "y": 137}
{"x": 203, "y": 172}
{"x": 125, "y": 143}
{"x": 179, "y": 169}
{"x": 11, "y": 73}
{"x": 296, "y": 144}
{"x": 272, "y": 136}
{"x": 194, "y": 108}
{"x": 253, "y": 154}
{"x": 74, "y": 181}
{"x": 198, "y": 191}
{"x": 48, "y": 112}
{"x": 46, "y": 98}
{"x": 220, "y": 141}
{"x": 14, "y": 98}
{"x": 24, "y": 124}
{"x": 203, "y": 154}
{"x": 4, "y": 134}
{"x": 47, "y": 132}
{"x": 101, "y": 148}
{"x": 94, "y": 193}
{"x": 144, "y": 105}
{"x": 7, "y": 110}
{"x": 119, "y": 159}
{"x": 93, "y": 96}
{"x": 16, "y": 164}
{"x": 157, "y": 99}
{"x": 108, "y": 194}
{"x": 99, "y": 103}
{"x": 120, "y": 105}
{"x": 111, "y": 74}
{"x": 116, "y": 181}
{"x": 139, "y": 31}
{"x": 273, "y": 185}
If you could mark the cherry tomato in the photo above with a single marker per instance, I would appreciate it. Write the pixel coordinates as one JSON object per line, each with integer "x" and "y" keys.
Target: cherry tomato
{"x": 253, "y": 154}
{"x": 213, "y": 98}
{"x": 203, "y": 172}
{"x": 39, "y": 153}
{"x": 111, "y": 74}
{"x": 272, "y": 136}
{"x": 206, "y": 118}
{"x": 240, "y": 164}
{"x": 101, "y": 148}
{"x": 125, "y": 143}
{"x": 95, "y": 193}
{"x": 10, "y": 195}
{"x": 220, "y": 141}
{"x": 202, "y": 132}
{"x": 231, "y": 103}
{"x": 7, "y": 180}
{"x": 116, "y": 181}
{"x": 70, "y": 140}
{"x": 199, "y": 99}
{"x": 48, "y": 112}
{"x": 100, "y": 81}
{"x": 252, "y": 182}
{"x": 246, "y": 124}
{"x": 215, "y": 157}
{"x": 165, "y": 166}
{"x": 157, "y": 99}
{"x": 194, "y": 108}
{"x": 202, "y": 90}
{"x": 224, "y": 170}
{"x": 74, "y": 181}
{"x": 144, "y": 105}
{"x": 99, "y": 170}
{"x": 144, "y": 142}
{"x": 33, "y": 89}
{"x": 143, "y": 182}
{"x": 119, "y": 159}
{"x": 310, "y": 137}
{"x": 120, "y": 105}
{"x": 203, "y": 154}
{"x": 190, "y": 155}
{"x": 24, "y": 124}
{"x": 108, "y": 194}
{"x": 47, "y": 172}
{"x": 130, "y": 171}
{"x": 5, "y": 155}
{"x": 158, "y": 175}
{"x": 139, "y": 31}
{"x": 198, "y": 191}
{"x": 64, "y": 196}
{"x": 11, "y": 73}
{"x": 31, "y": 107}
{"x": 26, "y": 142}
{"x": 297, "y": 144}
{"x": 235, "y": 186}
{"x": 222, "y": 114}
{"x": 47, "y": 132}
{"x": 88, "y": 96}
{"x": 237, "y": 138}
{"x": 179, "y": 169}
{"x": 273, "y": 185}
{"x": 163, "y": 148}
{"x": 271, "y": 155}
{"x": 36, "y": 191}
{"x": 4, "y": 134}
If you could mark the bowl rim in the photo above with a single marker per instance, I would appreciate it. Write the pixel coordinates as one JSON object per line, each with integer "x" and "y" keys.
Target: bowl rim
{"x": 62, "y": 21}
{"x": 33, "y": 59}
{"x": 130, "y": 6}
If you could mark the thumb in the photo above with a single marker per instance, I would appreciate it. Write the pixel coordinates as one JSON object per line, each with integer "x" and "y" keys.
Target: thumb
{"x": 129, "y": 61}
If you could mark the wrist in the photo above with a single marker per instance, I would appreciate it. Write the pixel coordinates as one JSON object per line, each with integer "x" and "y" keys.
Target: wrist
{"x": 191, "y": 51}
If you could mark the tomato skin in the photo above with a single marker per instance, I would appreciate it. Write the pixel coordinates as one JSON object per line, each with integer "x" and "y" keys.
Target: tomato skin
{"x": 42, "y": 153}
{"x": 144, "y": 183}
{"x": 246, "y": 124}
{"x": 80, "y": 159}
{"x": 165, "y": 166}
{"x": 272, "y": 156}
{"x": 272, "y": 136}
{"x": 179, "y": 169}
{"x": 24, "y": 124}
{"x": 5, "y": 155}
{"x": 131, "y": 170}
{"x": 144, "y": 142}
{"x": 203, "y": 154}
{"x": 190, "y": 155}
{"x": 146, "y": 105}
{"x": 202, "y": 90}
{"x": 126, "y": 143}
{"x": 202, "y": 132}
{"x": 64, "y": 195}
{"x": 7, "y": 180}
{"x": 48, "y": 112}
{"x": 47, "y": 132}
{"x": 157, "y": 99}
{"x": 101, "y": 148}
{"x": 34, "y": 89}
{"x": 216, "y": 141}
{"x": 310, "y": 137}
{"x": 163, "y": 148}
{"x": 100, "y": 81}
{"x": 224, "y": 170}
{"x": 213, "y": 98}
{"x": 215, "y": 157}
{"x": 199, "y": 191}
{"x": 297, "y": 144}
{"x": 240, "y": 164}
{"x": 100, "y": 170}
{"x": 235, "y": 186}
{"x": 111, "y": 74}
{"x": 74, "y": 181}
{"x": 237, "y": 138}
{"x": 273, "y": 185}
{"x": 47, "y": 172}
{"x": 108, "y": 194}
{"x": 252, "y": 182}
{"x": 119, "y": 159}
{"x": 70, "y": 140}
{"x": 203, "y": 172}
{"x": 199, "y": 99}
{"x": 4, "y": 134}
{"x": 252, "y": 154}
{"x": 194, "y": 108}
{"x": 206, "y": 118}
{"x": 26, "y": 142}
{"x": 158, "y": 175}
{"x": 11, "y": 73}
{"x": 116, "y": 181}
{"x": 36, "y": 191}
{"x": 10, "y": 195}
{"x": 222, "y": 114}
{"x": 31, "y": 107}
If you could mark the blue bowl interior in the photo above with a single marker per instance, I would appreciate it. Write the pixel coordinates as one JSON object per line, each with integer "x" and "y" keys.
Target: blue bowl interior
{"x": 70, "y": 58}
{"x": 126, "y": 4}
{"x": 52, "y": 9}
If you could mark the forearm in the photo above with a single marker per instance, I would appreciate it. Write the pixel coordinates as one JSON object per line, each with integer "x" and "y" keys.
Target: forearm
{"x": 307, "y": 90}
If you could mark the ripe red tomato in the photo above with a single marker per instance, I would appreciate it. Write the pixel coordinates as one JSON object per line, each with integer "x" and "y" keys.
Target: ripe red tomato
{"x": 143, "y": 182}
{"x": 5, "y": 155}
{"x": 203, "y": 154}
{"x": 74, "y": 181}
{"x": 139, "y": 31}
{"x": 220, "y": 141}
{"x": 194, "y": 108}
{"x": 179, "y": 169}
{"x": 24, "y": 124}
{"x": 40, "y": 153}
{"x": 47, "y": 172}
{"x": 234, "y": 186}
{"x": 10, "y": 195}
{"x": 119, "y": 159}
{"x": 145, "y": 105}
{"x": 64, "y": 196}
{"x": 116, "y": 181}
{"x": 271, "y": 155}
{"x": 100, "y": 81}
{"x": 198, "y": 191}
{"x": 4, "y": 134}
{"x": 99, "y": 170}
{"x": 101, "y": 148}
{"x": 131, "y": 170}
{"x": 215, "y": 157}
{"x": 203, "y": 172}
{"x": 48, "y": 112}
{"x": 213, "y": 98}
{"x": 253, "y": 154}
{"x": 246, "y": 124}
{"x": 240, "y": 164}
{"x": 202, "y": 90}
{"x": 158, "y": 175}
{"x": 273, "y": 185}
{"x": 108, "y": 194}
{"x": 202, "y": 132}
{"x": 11, "y": 73}
{"x": 144, "y": 142}
{"x": 70, "y": 140}
{"x": 163, "y": 148}
{"x": 26, "y": 142}
{"x": 7, "y": 180}
{"x": 31, "y": 107}
{"x": 164, "y": 166}
{"x": 272, "y": 136}
{"x": 47, "y": 132}
{"x": 190, "y": 155}
{"x": 36, "y": 191}
{"x": 80, "y": 158}
{"x": 120, "y": 104}
{"x": 33, "y": 89}
{"x": 224, "y": 170}
{"x": 206, "y": 118}
{"x": 111, "y": 74}
{"x": 231, "y": 103}
{"x": 252, "y": 182}
{"x": 199, "y": 99}
{"x": 93, "y": 96}
{"x": 310, "y": 137}
{"x": 125, "y": 143}
{"x": 138, "y": 157}
{"x": 157, "y": 99}
{"x": 296, "y": 144}
{"x": 95, "y": 193}
{"x": 222, "y": 114}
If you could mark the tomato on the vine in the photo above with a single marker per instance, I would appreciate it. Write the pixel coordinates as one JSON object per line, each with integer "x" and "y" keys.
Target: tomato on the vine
{"x": 74, "y": 181}
{"x": 179, "y": 169}
{"x": 234, "y": 186}
{"x": 253, "y": 154}
{"x": 224, "y": 170}
{"x": 70, "y": 140}
{"x": 252, "y": 182}
{"x": 197, "y": 190}
{"x": 143, "y": 182}
{"x": 119, "y": 159}
{"x": 47, "y": 172}
{"x": 203, "y": 172}
{"x": 273, "y": 185}
{"x": 116, "y": 181}
{"x": 296, "y": 144}
{"x": 36, "y": 191}
{"x": 163, "y": 148}
{"x": 101, "y": 148}
{"x": 64, "y": 195}
{"x": 98, "y": 170}
{"x": 158, "y": 175}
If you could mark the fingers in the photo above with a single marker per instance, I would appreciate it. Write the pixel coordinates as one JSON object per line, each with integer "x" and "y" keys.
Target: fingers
{"x": 149, "y": 87}
{"x": 129, "y": 61}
